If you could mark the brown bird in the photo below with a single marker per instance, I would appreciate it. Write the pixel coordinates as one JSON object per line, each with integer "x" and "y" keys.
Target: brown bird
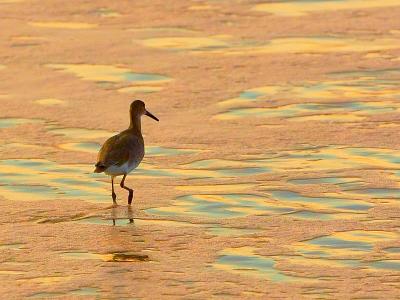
{"x": 123, "y": 152}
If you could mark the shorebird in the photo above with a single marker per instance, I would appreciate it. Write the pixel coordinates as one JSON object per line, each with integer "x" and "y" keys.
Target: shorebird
{"x": 123, "y": 152}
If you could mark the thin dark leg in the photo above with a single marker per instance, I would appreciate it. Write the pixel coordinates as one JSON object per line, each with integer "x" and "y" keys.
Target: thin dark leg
{"x": 130, "y": 215}
{"x": 113, "y": 195}
{"x": 130, "y": 197}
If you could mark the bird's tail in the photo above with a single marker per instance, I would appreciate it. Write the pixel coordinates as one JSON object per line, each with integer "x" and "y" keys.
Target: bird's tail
{"x": 99, "y": 168}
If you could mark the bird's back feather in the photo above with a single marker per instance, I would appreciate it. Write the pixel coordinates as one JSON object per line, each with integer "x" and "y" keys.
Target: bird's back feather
{"x": 119, "y": 149}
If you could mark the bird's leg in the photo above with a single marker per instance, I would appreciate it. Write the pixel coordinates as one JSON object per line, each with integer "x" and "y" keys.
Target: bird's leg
{"x": 130, "y": 197}
{"x": 113, "y": 195}
{"x": 130, "y": 215}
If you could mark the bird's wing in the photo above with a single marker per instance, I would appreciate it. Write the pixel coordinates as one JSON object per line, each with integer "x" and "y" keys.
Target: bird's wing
{"x": 118, "y": 149}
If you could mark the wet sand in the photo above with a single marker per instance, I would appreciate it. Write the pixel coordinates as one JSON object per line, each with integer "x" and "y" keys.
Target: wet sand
{"x": 273, "y": 172}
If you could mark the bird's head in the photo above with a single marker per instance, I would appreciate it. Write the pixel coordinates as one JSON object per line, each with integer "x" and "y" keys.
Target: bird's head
{"x": 138, "y": 108}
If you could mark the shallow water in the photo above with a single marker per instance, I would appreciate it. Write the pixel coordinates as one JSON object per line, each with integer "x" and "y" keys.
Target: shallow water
{"x": 50, "y": 102}
{"x": 294, "y": 8}
{"x": 341, "y": 247}
{"x": 320, "y": 203}
{"x": 109, "y": 76}
{"x": 63, "y": 25}
{"x": 12, "y": 122}
{"x": 39, "y": 179}
{"x": 340, "y": 250}
{"x": 225, "y": 45}
{"x": 221, "y": 206}
{"x": 106, "y": 73}
{"x": 244, "y": 260}
{"x": 351, "y": 86}
{"x": 273, "y": 172}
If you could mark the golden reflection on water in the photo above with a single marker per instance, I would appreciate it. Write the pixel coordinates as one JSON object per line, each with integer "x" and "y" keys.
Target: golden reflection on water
{"x": 347, "y": 249}
{"x": 352, "y": 201}
{"x": 50, "y": 102}
{"x": 329, "y": 158}
{"x": 81, "y": 147}
{"x": 202, "y": 7}
{"x": 24, "y": 147}
{"x": 110, "y": 74}
{"x": 216, "y": 187}
{"x": 151, "y": 151}
{"x": 301, "y": 8}
{"x": 244, "y": 260}
{"x": 93, "y": 72}
{"x": 39, "y": 179}
{"x": 315, "y": 45}
{"x": 46, "y": 280}
{"x": 79, "y": 133}
{"x": 12, "y": 122}
{"x": 338, "y": 250}
{"x": 322, "y": 203}
{"x": 11, "y": 272}
{"x": 346, "y": 244}
{"x": 63, "y": 25}
{"x": 326, "y": 96}
{"x": 184, "y": 43}
{"x": 331, "y": 111}
{"x": 222, "y": 206}
{"x": 116, "y": 220}
{"x": 364, "y": 86}
{"x": 150, "y": 32}
{"x": 140, "y": 89}
{"x": 224, "y": 45}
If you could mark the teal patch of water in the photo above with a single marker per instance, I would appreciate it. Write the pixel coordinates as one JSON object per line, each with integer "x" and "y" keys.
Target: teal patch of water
{"x": 321, "y": 202}
{"x": 229, "y": 167}
{"x": 310, "y": 215}
{"x": 38, "y": 179}
{"x": 46, "y": 295}
{"x": 252, "y": 264}
{"x": 332, "y": 242}
{"x": 392, "y": 249}
{"x": 12, "y": 122}
{"x": 82, "y": 147}
{"x": 343, "y": 182}
{"x": 163, "y": 151}
{"x": 131, "y": 77}
{"x": 372, "y": 73}
{"x": 85, "y": 291}
{"x": 380, "y": 193}
{"x": 100, "y": 221}
{"x": 390, "y": 265}
{"x": 392, "y": 157}
{"x": 221, "y": 206}
{"x": 250, "y": 95}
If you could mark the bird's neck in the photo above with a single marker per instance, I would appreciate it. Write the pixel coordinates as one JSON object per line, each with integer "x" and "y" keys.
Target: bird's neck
{"x": 135, "y": 124}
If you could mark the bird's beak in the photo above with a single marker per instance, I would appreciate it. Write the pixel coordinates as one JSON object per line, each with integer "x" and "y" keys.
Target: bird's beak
{"x": 149, "y": 114}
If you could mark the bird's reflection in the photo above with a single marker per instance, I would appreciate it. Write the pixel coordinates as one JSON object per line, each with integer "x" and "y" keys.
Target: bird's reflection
{"x": 116, "y": 214}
